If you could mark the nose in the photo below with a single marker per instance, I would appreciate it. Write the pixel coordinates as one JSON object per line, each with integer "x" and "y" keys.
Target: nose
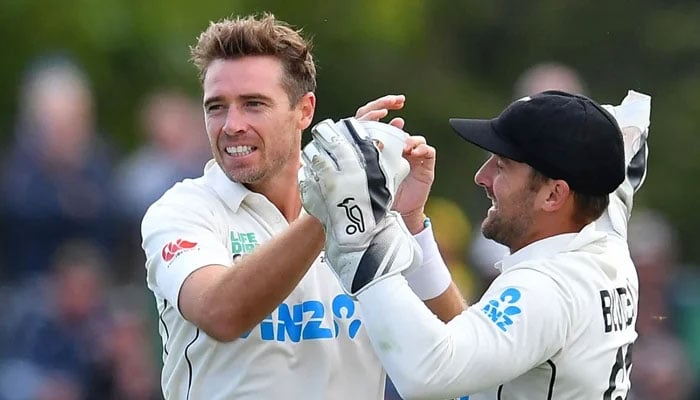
{"x": 484, "y": 176}
{"x": 235, "y": 123}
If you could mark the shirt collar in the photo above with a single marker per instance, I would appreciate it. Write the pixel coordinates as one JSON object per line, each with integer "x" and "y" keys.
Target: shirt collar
{"x": 232, "y": 193}
{"x": 547, "y": 247}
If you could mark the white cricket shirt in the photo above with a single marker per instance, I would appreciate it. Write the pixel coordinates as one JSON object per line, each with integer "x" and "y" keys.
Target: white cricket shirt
{"x": 312, "y": 346}
{"x": 558, "y": 323}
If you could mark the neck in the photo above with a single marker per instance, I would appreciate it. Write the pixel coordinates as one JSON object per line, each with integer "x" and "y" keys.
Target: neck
{"x": 545, "y": 230}
{"x": 283, "y": 191}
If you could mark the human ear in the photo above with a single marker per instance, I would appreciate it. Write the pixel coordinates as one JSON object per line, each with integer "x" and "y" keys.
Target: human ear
{"x": 307, "y": 105}
{"x": 557, "y": 193}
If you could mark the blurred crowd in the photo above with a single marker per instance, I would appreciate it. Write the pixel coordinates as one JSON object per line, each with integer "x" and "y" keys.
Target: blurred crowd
{"x": 80, "y": 323}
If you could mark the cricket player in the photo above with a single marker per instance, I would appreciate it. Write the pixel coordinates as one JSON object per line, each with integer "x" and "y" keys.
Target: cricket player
{"x": 247, "y": 307}
{"x": 559, "y": 321}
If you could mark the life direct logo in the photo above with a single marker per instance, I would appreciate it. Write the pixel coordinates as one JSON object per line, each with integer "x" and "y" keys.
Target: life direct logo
{"x": 292, "y": 325}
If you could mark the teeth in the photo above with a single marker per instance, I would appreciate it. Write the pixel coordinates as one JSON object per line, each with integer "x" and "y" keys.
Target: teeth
{"x": 239, "y": 150}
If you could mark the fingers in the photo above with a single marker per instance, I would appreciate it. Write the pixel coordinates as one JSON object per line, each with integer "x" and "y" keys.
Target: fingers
{"x": 423, "y": 156}
{"x": 326, "y": 146}
{"x": 341, "y": 144}
{"x": 317, "y": 160}
{"x": 331, "y": 141}
{"x": 375, "y": 115}
{"x": 414, "y": 140}
{"x": 308, "y": 153}
{"x": 379, "y": 108}
{"x": 417, "y": 151}
{"x": 397, "y": 122}
{"x": 325, "y": 134}
{"x": 417, "y": 145}
{"x": 422, "y": 151}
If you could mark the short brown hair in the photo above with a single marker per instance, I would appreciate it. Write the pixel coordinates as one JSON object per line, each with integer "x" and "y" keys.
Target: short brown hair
{"x": 589, "y": 207}
{"x": 229, "y": 39}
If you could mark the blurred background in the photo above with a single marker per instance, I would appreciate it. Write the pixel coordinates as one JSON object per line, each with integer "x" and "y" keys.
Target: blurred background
{"x": 101, "y": 113}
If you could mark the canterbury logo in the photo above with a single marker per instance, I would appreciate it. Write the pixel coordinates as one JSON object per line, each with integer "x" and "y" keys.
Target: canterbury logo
{"x": 354, "y": 214}
{"x": 171, "y": 249}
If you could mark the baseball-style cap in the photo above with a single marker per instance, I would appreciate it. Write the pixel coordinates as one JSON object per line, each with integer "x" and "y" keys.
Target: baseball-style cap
{"x": 562, "y": 135}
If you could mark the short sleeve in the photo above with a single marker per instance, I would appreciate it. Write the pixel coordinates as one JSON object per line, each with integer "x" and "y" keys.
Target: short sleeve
{"x": 178, "y": 240}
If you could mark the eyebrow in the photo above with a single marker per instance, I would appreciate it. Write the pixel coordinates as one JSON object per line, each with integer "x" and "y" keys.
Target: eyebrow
{"x": 504, "y": 160}
{"x": 244, "y": 97}
{"x": 213, "y": 99}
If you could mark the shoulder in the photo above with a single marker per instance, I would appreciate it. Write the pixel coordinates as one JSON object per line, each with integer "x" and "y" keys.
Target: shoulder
{"x": 191, "y": 197}
{"x": 528, "y": 302}
{"x": 529, "y": 277}
{"x": 543, "y": 283}
{"x": 577, "y": 277}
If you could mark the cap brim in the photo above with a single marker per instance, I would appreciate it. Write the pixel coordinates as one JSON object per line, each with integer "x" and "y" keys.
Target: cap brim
{"x": 482, "y": 133}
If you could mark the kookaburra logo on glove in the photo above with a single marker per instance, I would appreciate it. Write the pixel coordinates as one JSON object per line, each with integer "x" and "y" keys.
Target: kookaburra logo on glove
{"x": 354, "y": 214}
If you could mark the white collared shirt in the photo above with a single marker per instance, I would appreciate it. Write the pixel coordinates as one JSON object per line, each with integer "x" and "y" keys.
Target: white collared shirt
{"x": 312, "y": 346}
{"x": 558, "y": 323}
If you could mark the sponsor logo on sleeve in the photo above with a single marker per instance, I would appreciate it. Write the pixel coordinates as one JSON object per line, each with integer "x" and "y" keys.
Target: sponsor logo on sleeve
{"x": 503, "y": 310}
{"x": 174, "y": 248}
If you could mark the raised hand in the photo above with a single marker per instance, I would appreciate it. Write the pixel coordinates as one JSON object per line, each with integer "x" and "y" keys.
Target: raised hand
{"x": 413, "y": 192}
{"x": 379, "y": 108}
{"x": 349, "y": 179}
{"x": 632, "y": 115}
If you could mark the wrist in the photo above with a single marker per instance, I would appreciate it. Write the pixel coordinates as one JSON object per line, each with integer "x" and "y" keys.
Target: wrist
{"x": 432, "y": 277}
{"x": 415, "y": 221}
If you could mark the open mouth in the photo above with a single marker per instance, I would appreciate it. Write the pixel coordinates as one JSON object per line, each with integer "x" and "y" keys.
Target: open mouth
{"x": 240, "y": 151}
{"x": 494, "y": 206}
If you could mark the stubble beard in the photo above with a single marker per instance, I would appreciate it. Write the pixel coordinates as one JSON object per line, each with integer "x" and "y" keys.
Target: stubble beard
{"x": 257, "y": 173}
{"x": 247, "y": 176}
{"x": 501, "y": 230}
{"x": 508, "y": 230}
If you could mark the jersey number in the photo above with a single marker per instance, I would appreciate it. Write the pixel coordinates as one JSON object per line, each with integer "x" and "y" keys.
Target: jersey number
{"x": 623, "y": 365}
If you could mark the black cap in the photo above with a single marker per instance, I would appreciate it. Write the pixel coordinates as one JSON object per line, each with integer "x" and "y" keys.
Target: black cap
{"x": 562, "y": 135}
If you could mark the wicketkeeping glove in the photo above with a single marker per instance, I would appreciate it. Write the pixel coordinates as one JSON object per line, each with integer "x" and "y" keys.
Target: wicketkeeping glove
{"x": 350, "y": 175}
{"x": 632, "y": 116}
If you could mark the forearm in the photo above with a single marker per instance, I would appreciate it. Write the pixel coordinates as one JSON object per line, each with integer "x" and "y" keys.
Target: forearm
{"x": 427, "y": 358}
{"x": 424, "y": 357}
{"x": 432, "y": 281}
{"x": 447, "y": 305}
{"x": 414, "y": 221}
{"x": 239, "y": 297}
